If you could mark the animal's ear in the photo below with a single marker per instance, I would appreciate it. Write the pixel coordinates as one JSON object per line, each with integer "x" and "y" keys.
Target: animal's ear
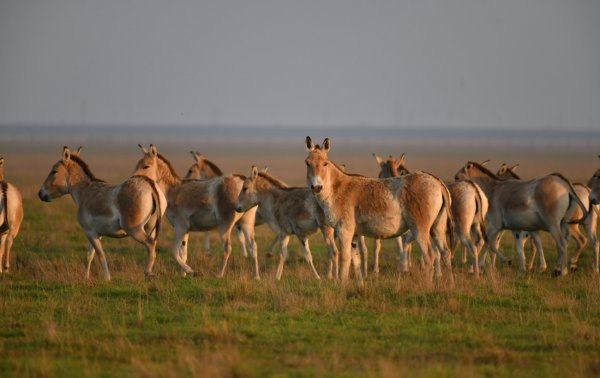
{"x": 254, "y": 172}
{"x": 485, "y": 162}
{"x": 152, "y": 150}
{"x": 1, "y": 161}
{"x": 144, "y": 150}
{"x": 66, "y": 154}
{"x": 78, "y": 150}
{"x": 378, "y": 158}
{"x": 514, "y": 167}
{"x": 469, "y": 165}
{"x": 265, "y": 169}
{"x": 343, "y": 168}
{"x": 400, "y": 160}
{"x": 502, "y": 169}
{"x": 326, "y": 145}
{"x": 309, "y": 144}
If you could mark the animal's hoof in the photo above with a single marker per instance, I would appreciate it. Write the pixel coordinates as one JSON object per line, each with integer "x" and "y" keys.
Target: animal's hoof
{"x": 557, "y": 273}
{"x": 573, "y": 268}
{"x": 509, "y": 263}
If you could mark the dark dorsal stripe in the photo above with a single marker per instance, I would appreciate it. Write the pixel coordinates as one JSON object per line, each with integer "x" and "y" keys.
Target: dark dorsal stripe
{"x": 86, "y": 168}
{"x": 484, "y": 170}
{"x": 344, "y": 172}
{"x": 216, "y": 170}
{"x": 275, "y": 182}
{"x": 169, "y": 166}
{"x": 4, "y": 228}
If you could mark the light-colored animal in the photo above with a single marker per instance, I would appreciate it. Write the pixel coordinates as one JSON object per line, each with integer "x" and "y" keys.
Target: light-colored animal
{"x": 594, "y": 196}
{"x": 288, "y": 211}
{"x": 133, "y": 208}
{"x": 546, "y": 203}
{"x": 199, "y": 205}
{"x": 11, "y": 216}
{"x": 469, "y": 208}
{"x": 204, "y": 169}
{"x": 590, "y": 223}
{"x": 380, "y": 208}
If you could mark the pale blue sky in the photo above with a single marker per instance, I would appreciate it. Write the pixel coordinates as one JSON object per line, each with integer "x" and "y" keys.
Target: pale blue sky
{"x": 445, "y": 63}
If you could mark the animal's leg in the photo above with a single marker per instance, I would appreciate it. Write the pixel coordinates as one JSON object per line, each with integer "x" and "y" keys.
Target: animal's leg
{"x": 225, "y": 235}
{"x": 183, "y": 251}
{"x": 207, "y": 243}
{"x": 591, "y": 225}
{"x": 285, "y": 239}
{"x": 179, "y": 250}
{"x": 442, "y": 255}
{"x": 332, "y": 264}
{"x": 467, "y": 245}
{"x": 140, "y": 236}
{"x": 427, "y": 252}
{"x": 493, "y": 243}
{"x": 364, "y": 254}
{"x": 400, "y": 250}
{"x": 3, "y": 239}
{"x": 269, "y": 250}
{"x": 95, "y": 242}
{"x": 308, "y": 256}
{"x": 580, "y": 240}
{"x": 90, "y": 257}
{"x": 357, "y": 260}
{"x": 404, "y": 253}
{"x": 519, "y": 246}
{"x": 345, "y": 237}
{"x": 240, "y": 235}
{"x": 376, "y": 249}
{"x": 247, "y": 229}
{"x": 557, "y": 233}
{"x": 535, "y": 237}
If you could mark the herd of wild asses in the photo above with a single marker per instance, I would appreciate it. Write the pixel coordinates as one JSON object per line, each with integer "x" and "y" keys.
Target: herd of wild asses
{"x": 400, "y": 204}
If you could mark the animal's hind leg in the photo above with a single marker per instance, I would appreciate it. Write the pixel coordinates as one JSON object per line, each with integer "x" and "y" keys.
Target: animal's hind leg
{"x": 207, "y": 243}
{"x": 240, "y": 235}
{"x": 404, "y": 252}
{"x": 376, "y": 250}
{"x": 557, "y": 233}
{"x": 225, "y": 235}
{"x": 332, "y": 263}
{"x": 519, "y": 246}
{"x": 537, "y": 242}
{"x": 3, "y": 254}
{"x": 269, "y": 250}
{"x": 308, "y": 256}
{"x": 443, "y": 254}
{"x": 580, "y": 240}
{"x": 90, "y": 253}
{"x": 246, "y": 229}
{"x": 285, "y": 239}
{"x": 179, "y": 250}
{"x": 591, "y": 225}
{"x": 364, "y": 255}
{"x": 95, "y": 242}
{"x": 141, "y": 237}
{"x": 427, "y": 252}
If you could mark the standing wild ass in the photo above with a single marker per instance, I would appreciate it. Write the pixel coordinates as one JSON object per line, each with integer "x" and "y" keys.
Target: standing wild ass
{"x": 594, "y": 185}
{"x": 199, "y": 205}
{"x": 288, "y": 211}
{"x": 11, "y": 216}
{"x": 469, "y": 208}
{"x": 546, "y": 203}
{"x": 380, "y": 208}
{"x": 133, "y": 208}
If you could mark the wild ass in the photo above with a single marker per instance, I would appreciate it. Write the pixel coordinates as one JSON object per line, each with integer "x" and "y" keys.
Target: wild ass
{"x": 288, "y": 211}
{"x": 380, "y": 208}
{"x": 469, "y": 207}
{"x": 594, "y": 197}
{"x": 590, "y": 223}
{"x": 545, "y": 204}
{"x": 133, "y": 208}
{"x": 11, "y": 216}
{"x": 204, "y": 169}
{"x": 199, "y": 205}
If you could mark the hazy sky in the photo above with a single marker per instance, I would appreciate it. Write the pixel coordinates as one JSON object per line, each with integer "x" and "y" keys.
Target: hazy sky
{"x": 490, "y": 63}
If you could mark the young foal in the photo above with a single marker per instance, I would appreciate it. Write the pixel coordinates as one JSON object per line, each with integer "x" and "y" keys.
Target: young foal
{"x": 380, "y": 208}
{"x": 11, "y": 216}
{"x": 288, "y": 211}
{"x": 540, "y": 204}
{"x": 199, "y": 205}
{"x": 107, "y": 210}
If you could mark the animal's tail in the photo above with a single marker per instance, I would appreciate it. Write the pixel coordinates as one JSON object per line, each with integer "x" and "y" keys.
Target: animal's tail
{"x": 157, "y": 204}
{"x": 448, "y": 208}
{"x": 573, "y": 196}
{"x": 4, "y": 227}
{"x": 591, "y": 206}
{"x": 479, "y": 203}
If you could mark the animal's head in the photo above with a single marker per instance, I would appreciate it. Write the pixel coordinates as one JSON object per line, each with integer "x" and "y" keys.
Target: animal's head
{"x": 195, "y": 172}
{"x": 506, "y": 172}
{"x": 58, "y": 182}
{"x": 472, "y": 169}
{"x": 594, "y": 184}
{"x": 391, "y": 167}
{"x": 248, "y": 197}
{"x": 148, "y": 164}
{"x": 317, "y": 165}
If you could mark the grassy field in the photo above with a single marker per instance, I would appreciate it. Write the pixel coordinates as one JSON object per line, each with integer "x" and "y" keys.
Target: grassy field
{"x": 54, "y": 322}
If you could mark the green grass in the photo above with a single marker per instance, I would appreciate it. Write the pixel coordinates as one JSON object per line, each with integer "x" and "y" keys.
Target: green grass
{"x": 54, "y": 322}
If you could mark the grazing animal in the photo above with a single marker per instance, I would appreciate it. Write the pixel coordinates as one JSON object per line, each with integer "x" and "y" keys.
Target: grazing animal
{"x": 133, "y": 208}
{"x": 288, "y": 211}
{"x": 11, "y": 216}
{"x": 546, "y": 203}
{"x": 199, "y": 205}
{"x": 380, "y": 208}
{"x": 469, "y": 207}
{"x": 204, "y": 169}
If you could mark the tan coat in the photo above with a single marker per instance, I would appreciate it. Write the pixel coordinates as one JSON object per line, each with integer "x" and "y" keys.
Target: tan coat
{"x": 11, "y": 216}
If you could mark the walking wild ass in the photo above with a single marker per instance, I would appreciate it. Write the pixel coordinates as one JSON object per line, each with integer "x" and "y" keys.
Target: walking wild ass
{"x": 199, "y": 205}
{"x": 11, "y": 216}
{"x": 379, "y": 208}
{"x": 546, "y": 203}
{"x": 133, "y": 208}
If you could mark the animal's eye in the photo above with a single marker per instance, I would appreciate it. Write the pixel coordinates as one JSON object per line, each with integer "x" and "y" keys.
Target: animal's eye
{"x": 244, "y": 189}
{"x": 54, "y": 172}
{"x": 308, "y": 165}
{"x": 325, "y": 165}
{"x": 190, "y": 171}
{"x": 146, "y": 166}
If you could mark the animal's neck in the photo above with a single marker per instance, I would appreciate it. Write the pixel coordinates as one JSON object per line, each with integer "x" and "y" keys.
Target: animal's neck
{"x": 487, "y": 184}
{"x": 78, "y": 183}
{"x": 167, "y": 180}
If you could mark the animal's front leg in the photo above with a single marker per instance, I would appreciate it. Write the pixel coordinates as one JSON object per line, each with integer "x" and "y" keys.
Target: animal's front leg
{"x": 95, "y": 242}
{"x": 308, "y": 256}
{"x": 345, "y": 237}
{"x": 90, "y": 257}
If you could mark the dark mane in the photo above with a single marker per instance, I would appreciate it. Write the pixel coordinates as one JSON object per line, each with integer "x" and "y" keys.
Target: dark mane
{"x": 276, "y": 182}
{"x": 484, "y": 170}
{"x": 86, "y": 168}
{"x": 344, "y": 172}
{"x": 168, "y": 164}
{"x": 214, "y": 168}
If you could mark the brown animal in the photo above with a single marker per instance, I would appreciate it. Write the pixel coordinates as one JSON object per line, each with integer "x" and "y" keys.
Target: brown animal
{"x": 380, "y": 208}
{"x": 11, "y": 216}
{"x": 545, "y": 204}
{"x": 133, "y": 208}
{"x": 288, "y": 211}
{"x": 469, "y": 207}
{"x": 199, "y": 205}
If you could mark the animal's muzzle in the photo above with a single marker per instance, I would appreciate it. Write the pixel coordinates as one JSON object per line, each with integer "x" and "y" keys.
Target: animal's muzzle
{"x": 43, "y": 196}
{"x": 316, "y": 189}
